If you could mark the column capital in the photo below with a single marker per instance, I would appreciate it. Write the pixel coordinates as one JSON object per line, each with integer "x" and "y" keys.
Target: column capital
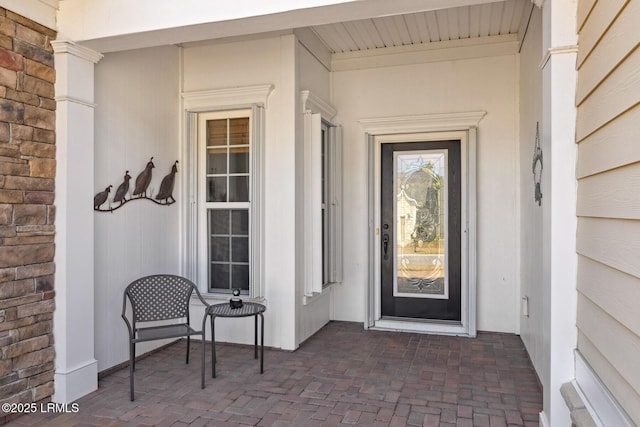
{"x": 73, "y": 48}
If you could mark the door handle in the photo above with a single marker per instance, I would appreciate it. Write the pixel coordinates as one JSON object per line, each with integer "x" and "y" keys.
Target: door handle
{"x": 385, "y": 245}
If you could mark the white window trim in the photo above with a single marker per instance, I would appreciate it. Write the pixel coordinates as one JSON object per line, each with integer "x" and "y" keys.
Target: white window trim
{"x": 381, "y": 130}
{"x": 316, "y": 111}
{"x": 225, "y": 99}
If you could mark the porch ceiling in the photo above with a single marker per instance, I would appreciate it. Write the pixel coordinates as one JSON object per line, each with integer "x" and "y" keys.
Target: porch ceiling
{"x": 458, "y": 23}
{"x": 344, "y": 26}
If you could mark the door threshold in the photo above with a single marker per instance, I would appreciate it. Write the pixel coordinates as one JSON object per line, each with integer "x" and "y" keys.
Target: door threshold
{"x": 422, "y": 327}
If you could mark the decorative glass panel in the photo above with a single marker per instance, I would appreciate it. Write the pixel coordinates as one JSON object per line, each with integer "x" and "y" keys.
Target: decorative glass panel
{"x": 420, "y": 194}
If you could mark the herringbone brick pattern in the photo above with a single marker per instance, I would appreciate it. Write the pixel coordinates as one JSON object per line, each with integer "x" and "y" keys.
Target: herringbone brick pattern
{"x": 343, "y": 375}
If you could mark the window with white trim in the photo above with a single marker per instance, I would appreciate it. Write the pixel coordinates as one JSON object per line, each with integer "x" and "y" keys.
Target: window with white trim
{"x": 225, "y": 142}
{"x": 322, "y": 197}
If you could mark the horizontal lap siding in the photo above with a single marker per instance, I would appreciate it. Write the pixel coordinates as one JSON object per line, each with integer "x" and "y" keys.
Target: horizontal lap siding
{"x": 608, "y": 206}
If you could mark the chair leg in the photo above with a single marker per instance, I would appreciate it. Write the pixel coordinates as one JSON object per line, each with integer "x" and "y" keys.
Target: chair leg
{"x": 188, "y": 346}
{"x": 203, "y": 355}
{"x": 132, "y": 361}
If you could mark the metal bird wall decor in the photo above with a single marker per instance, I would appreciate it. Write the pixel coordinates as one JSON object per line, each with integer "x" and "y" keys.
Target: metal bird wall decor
{"x": 101, "y": 197}
{"x": 122, "y": 190}
{"x": 144, "y": 179}
{"x": 166, "y": 186}
{"x": 141, "y": 190}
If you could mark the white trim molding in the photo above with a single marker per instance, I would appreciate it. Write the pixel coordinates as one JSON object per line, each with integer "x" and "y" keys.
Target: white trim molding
{"x": 602, "y": 406}
{"x": 422, "y": 123}
{"x": 378, "y": 131}
{"x": 73, "y": 48}
{"x": 315, "y": 104}
{"x": 227, "y": 98}
{"x": 447, "y": 50}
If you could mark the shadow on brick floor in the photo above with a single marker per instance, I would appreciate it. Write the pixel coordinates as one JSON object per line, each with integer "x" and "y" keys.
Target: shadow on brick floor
{"x": 343, "y": 375}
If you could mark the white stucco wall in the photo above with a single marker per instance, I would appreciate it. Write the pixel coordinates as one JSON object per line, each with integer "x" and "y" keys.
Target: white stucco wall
{"x": 136, "y": 117}
{"x": 488, "y": 84}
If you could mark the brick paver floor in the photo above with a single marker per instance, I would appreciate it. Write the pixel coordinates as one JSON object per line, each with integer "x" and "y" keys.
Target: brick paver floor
{"x": 342, "y": 375}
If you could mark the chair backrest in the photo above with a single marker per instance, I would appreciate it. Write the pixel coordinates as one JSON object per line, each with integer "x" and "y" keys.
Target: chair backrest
{"x": 160, "y": 297}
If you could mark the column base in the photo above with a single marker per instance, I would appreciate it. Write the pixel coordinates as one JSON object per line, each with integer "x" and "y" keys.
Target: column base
{"x": 75, "y": 383}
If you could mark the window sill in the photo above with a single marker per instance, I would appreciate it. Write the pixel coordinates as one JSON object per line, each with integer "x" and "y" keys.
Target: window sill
{"x": 308, "y": 299}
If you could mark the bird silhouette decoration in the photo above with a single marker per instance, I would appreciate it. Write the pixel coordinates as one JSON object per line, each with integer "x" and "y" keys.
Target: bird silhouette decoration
{"x": 166, "y": 186}
{"x": 143, "y": 180}
{"x": 122, "y": 190}
{"x": 101, "y": 197}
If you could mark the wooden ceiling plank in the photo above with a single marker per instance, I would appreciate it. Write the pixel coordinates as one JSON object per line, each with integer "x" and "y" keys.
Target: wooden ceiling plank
{"x": 496, "y": 18}
{"x": 463, "y": 28}
{"x": 344, "y": 35}
{"x": 381, "y": 26}
{"x": 507, "y": 16}
{"x": 443, "y": 24}
{"x": 413, "y": 26}
{"x": 364, "y": 34}
{"x": 520, "y": 13}
{"x": 474, "y": 20}
{"x": 485, "y": 20}
{"x": 402, "y": 28}
{"x": 356, "y": 36}
{"x": 432, "y": 22}
{"x": 453, "y": 16}
{"x": 329, "y": 35}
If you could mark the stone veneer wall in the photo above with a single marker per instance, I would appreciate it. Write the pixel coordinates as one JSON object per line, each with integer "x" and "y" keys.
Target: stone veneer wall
{"x": 27, "y": 213}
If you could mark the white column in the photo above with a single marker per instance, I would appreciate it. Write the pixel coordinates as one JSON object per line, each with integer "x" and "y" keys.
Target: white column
{"x": 560, "y": 222}
{"x": 76, "y": 370}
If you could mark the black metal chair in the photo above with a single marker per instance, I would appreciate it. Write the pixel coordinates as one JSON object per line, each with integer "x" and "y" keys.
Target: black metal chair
{"x": 160, "y": 298}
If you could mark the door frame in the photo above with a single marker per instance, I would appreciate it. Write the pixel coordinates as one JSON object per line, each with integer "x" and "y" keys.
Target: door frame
{"x": 457, "y": 126}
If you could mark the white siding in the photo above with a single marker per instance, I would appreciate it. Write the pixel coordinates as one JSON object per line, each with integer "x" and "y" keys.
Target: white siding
{"x": 608, "y": 206}
{"x": 136, "y": 117}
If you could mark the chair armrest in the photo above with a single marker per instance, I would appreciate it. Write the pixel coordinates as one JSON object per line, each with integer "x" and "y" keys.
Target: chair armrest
{"x": 205, "y": 303}
{"x": 124, "y": 316}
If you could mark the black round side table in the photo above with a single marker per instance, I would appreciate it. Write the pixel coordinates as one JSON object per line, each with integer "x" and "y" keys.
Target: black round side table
{"x": 248, "y": 309}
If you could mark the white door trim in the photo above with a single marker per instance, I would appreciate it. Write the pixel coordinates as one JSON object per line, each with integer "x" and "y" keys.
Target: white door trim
{"x": 462, "y": 126}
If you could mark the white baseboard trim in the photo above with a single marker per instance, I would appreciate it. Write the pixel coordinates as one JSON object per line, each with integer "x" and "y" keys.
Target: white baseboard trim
{"x": 601, "y": 405}
{"x": 75, "y": 383}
